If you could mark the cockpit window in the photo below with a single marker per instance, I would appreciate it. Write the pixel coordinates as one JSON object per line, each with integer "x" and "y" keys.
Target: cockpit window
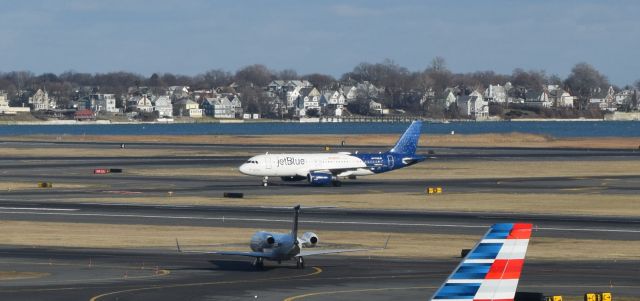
{"x": 252, "y": 162}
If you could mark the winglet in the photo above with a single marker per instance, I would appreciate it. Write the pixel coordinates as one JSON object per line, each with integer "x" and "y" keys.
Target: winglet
{"x": 178, "y": 246}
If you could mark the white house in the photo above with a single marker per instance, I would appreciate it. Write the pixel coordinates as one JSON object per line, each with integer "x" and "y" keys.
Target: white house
{"x": 219, "y": 107}
{"x": 41, "y": 101}
{"x": 350, "y": 93}
{"x": 538, "y": 99}
{"x": 187, "y": 107}
{"x": 309, "y": 99}
{"x": 496, "y": 93}
{"x": 4, "y": 102}
{"x": 473, "y": 105}
{"x": 376, "y": 107}
{"x": 162, "y": 105}
{"x": 335, "y": 98}
{"x": 103, "y": 103}
{"x": 140, "y": 103}
{"x": 560, "y": 98}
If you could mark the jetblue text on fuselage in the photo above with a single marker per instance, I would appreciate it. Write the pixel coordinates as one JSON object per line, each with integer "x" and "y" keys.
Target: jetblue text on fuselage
{"x": 290, "y": 161}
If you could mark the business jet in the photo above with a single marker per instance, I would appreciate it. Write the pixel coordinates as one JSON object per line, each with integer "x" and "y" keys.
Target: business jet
{"x": 324, "y": 169}
{"x": 491, "y": 270}
{"x": 281, "y": 246}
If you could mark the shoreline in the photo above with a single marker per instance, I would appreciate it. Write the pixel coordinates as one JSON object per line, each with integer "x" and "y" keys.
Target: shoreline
{"x": 241, "y": 121}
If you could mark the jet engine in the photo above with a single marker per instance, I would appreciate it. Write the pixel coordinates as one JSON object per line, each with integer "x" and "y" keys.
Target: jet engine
{"x": 319, "y": 178}
{"x": 262, "y": 240}
{"x": 293, "y": 178}
{"x": 309, "y": 239}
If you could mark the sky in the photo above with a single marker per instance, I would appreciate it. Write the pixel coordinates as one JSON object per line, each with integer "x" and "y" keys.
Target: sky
{"x": 331, "y": 37}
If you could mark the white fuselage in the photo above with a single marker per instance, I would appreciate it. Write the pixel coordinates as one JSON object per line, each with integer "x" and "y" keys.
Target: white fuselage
{"x": 291, "y": 165}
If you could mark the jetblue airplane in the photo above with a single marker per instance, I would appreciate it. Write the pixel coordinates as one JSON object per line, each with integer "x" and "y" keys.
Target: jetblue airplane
{"x": 492, "y": 269}
{"x": 324, "y": 169}
{"x": 281, "y": 246}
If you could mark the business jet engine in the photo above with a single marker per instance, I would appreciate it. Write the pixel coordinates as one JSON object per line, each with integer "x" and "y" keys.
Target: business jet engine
{"x": 262, "y": 240}
{"x": 309, "y": 240}
{"x": 319, "y": 178}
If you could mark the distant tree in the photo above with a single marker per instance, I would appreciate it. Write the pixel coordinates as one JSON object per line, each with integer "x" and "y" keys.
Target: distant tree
{"x": 555, "y": 79}
{"x": 637, "y": 84}
{"x": 258, "y": 75}
{"x": 287, "y": 74}
{"x": 216, "y": 78}
{"x": 532, "y": 80}
{"x": 584, "y": 81}
{"x": 321, "y": 81}
{"x": 438, "y": 63}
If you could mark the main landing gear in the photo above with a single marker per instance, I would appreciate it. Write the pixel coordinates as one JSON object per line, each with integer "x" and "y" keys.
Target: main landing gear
{"x": 336, "y": 183}
{"x": 265, "y": 181}
{"x": 258, "y": 263}
{"x": 299, "y": 262}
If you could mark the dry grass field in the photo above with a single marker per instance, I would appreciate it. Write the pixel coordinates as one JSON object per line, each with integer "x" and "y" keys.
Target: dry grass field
{"x": 478, "y": 140}
{"x": 208, "y": 238}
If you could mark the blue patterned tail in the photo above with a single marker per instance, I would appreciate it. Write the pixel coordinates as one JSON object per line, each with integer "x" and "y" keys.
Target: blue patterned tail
{"x": 408, "y": 143}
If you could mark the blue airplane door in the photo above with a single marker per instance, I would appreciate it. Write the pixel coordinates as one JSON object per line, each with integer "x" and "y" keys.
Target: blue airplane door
{"x": 390, "y": 161}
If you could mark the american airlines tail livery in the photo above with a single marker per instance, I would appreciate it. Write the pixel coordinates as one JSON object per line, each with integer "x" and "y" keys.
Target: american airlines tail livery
{"x": 325, "y": 168}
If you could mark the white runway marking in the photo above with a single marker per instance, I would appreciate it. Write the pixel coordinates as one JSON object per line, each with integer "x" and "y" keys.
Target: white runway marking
{"x": 38, "y": 209}
{"x": 264, "y": 220}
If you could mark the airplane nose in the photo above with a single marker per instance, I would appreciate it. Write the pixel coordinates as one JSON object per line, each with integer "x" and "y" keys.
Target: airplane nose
{"x": 243, "y": 168}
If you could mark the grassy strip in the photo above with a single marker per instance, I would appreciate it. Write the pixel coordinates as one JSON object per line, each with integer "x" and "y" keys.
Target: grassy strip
{"x": 409, "y": 245}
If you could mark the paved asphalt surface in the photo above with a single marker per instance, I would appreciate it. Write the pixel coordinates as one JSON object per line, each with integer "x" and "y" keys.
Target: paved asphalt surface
{"x": 85, "y": 274}
{"x": 120, "y": 274}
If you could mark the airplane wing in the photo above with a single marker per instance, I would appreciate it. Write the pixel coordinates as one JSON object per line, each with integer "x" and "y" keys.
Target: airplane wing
{"x": 236, "y": 253}
{"x": 492, "y": 269}
{"x": 305, "y": 253}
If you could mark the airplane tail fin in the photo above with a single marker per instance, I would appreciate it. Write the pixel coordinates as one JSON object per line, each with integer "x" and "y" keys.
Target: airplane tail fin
{"x": 294, "y": 228}
{"x": 408, "y": 143}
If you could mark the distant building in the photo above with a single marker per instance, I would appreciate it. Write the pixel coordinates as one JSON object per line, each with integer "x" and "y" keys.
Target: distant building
{"x": 103, "y": 103}
{"x": 560, "y": 98}
{"x": 187, "y": 107}
{"x": 84, "y": 115}
{"x": 496, "y": 93}
{"x": 41, "y": 101}
{"x": 538, "y": 99}
{"x": 308, "y": 99}
{"x": 473, "y": 105}
{"x": 4, "y": 102}
{"x": 219, "y": 107}
{"x": 162, "y": 105}
{"x": 140, "y": 103}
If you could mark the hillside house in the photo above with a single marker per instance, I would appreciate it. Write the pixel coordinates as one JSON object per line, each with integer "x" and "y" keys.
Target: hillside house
{"x": 162, "y": 105}
{"x": 219, "y": 107}
{"x": 187, "y": 107}
{"x": 40, "y": 101}
{"x": 103, "y": 103}
{"x": 473, "y": 105}
{"x": 496, "y": 93}
{"x": 538, "y": 99}
{"x": 140, "y": 103}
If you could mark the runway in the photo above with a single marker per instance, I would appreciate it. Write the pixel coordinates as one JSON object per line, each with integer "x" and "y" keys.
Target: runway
{"x": 85, "y": 274}
{"x": 149, "y": 274}
{"x": 319, "y": 219}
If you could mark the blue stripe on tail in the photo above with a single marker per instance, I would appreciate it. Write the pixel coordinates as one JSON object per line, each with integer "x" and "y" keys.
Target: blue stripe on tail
{"x": 408, "y": 143}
